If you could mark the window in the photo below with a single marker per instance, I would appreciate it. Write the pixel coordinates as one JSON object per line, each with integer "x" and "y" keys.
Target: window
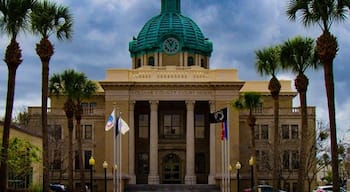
{"x": 172, "y": 126}
{"x": 199, "y": 124}
{"x": 261, "y": 132}
{"x": 151, "y": 61}
{"x": 259, "y": 108}
{"x": 295, "y": 159}
{"x": 55, "y": 132}
{"x": 138, "y": 64}
{"x": 264, "y": 132}
{"x": 85, "y": 108}
{"x": 87, "y": 156}
{"x": 88, "y": 132}
{"x": 92, "y": 107}
{"x": 190, "y": 61}
{"x": 88, "y": 108}
{"x": 263, "y": 160}
{"x": 143, "y": 126}
{"x": 286, "y": 160}
{"x": 295, "y": 131}
{"x": 202, "y": 63}
{"x": 291, "y": 159}
{"x": 285, "y": 131}
{"x": 290, "y": 131}
{"x": 56, "y": 164}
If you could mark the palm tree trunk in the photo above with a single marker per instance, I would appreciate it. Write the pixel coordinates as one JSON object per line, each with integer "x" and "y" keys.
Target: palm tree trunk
{"x": 45, "y": 50}
{"x": 275, "y": 87}
{"x": 69, "y": 110}
{"x": 327, "y": 47}
{"x": 70, "y": 154}
{"x": 329, "y": 81}
{"x": 80, "y": 148}
{"x": 251, "y": 123}
{"x": 301, "y": 84}
{"x": 13, "y": 60}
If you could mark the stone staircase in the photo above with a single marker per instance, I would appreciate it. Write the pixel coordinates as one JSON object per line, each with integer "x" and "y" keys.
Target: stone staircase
{"x": 172, "y": 187}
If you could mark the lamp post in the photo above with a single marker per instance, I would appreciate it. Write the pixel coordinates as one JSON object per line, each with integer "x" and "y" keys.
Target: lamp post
{"x": 251, "y": 164}
{"x": 105, "y": 165}
{"x": 238, "y": 167}
{"x": 91, "y": 163}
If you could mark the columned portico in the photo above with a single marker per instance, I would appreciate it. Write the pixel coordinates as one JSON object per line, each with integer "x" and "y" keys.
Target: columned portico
{"x": 153, "y": 177}
{"x": 190, "y": 177}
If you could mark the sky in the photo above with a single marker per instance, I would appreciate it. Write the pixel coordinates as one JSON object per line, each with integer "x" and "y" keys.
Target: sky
{"x": 237, "y": 28}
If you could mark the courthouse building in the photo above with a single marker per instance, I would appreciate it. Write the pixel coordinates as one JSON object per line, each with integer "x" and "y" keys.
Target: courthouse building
{"x": 166, "y": 97}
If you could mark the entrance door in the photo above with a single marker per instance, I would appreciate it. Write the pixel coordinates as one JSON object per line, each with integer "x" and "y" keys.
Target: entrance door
{"x": 172, "y": 169}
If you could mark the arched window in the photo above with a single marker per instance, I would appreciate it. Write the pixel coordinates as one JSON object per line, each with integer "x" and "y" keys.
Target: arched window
{"x": 151, "y": 61}
{"x": 190, "y": 61}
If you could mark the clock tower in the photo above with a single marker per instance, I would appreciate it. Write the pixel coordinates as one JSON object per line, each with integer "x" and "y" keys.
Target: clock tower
{"x": 170, "y": 39}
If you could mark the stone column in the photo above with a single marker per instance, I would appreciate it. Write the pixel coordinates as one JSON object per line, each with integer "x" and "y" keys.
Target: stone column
{"x": 190, "y": 177}
{"x": 132, "y": 143}
{"x": 181, "y": 59}
{"x": 153, "y": 177}
{"x": 212, "y": 151}
{"x": 156, "y": 58}
{"x": 186, "y": 59}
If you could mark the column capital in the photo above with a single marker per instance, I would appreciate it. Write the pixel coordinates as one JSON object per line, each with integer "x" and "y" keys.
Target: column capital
{"x": 154, "y": 104}
{"x": 190, "y": 104}
{"x": 132, "y": 105}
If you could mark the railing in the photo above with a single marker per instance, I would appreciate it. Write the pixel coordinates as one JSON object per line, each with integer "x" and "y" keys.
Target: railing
{"x": 282, "y": 111}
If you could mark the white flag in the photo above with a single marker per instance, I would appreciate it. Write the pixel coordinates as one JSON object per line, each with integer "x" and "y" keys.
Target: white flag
{"x": 123, "y": 127}
{"x": 111, "y": 121}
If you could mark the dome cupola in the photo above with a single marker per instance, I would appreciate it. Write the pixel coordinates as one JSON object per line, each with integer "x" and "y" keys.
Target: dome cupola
{"x": 170, "y": 32}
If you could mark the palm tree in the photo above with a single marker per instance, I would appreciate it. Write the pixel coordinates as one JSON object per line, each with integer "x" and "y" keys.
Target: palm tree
{"x": 323, "y": 13}
{"x": 250, "y": 101}
{"x": 268, "y": 63}
{"x": 74, "y": 86}
{"x": 48, "y": 18}
{"x": 298, "y": 55}
{"x": 12, "y": 21}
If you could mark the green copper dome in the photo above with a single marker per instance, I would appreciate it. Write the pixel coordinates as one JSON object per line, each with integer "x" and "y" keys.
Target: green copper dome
{"x": 170, "y": 23}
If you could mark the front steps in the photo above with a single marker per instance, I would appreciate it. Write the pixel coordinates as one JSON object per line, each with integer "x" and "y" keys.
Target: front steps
{"x": 172, "y": 187}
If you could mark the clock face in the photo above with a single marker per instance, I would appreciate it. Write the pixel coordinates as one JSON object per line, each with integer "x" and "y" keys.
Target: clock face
{"x": 171, "y": 45}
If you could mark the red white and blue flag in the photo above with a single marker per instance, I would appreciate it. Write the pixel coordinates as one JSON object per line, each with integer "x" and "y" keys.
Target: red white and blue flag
{"x": 110, "y": 121}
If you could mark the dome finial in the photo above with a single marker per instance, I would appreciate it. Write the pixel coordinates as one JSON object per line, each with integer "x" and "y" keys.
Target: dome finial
{"x": 171, "y": 6}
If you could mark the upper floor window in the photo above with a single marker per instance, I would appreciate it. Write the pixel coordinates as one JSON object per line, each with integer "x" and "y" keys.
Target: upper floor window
{"x": 259, "y": 108}
{"x": 263, "y": 160}
{"x": 172, "y": 126}
{"x": 262, "y": 132}
{"x": 87, "y": 131}
{"x": 151, "y": 61}
{"x": 86, "y": 156}
{"x": 55, "y": 131}
{"x": 290, "y": 131}
{"x": 143, "y": 126}
{"x": 199, "y": 124}
{"x": 290, "y": 159}
{"x": 57, "y": 160}
{"x": 88, "y": 108}
{"x": 190, "y": 61}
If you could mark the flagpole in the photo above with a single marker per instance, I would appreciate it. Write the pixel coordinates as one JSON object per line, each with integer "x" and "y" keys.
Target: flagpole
{"x": 120, "y": 161}
{"x": 222, "y": 166}
{"x": 114, "y": 151}
{"x": 228, "y": 147}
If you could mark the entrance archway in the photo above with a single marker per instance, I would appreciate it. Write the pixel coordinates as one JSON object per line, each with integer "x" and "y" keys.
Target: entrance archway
{"x": 171, "y": 169}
